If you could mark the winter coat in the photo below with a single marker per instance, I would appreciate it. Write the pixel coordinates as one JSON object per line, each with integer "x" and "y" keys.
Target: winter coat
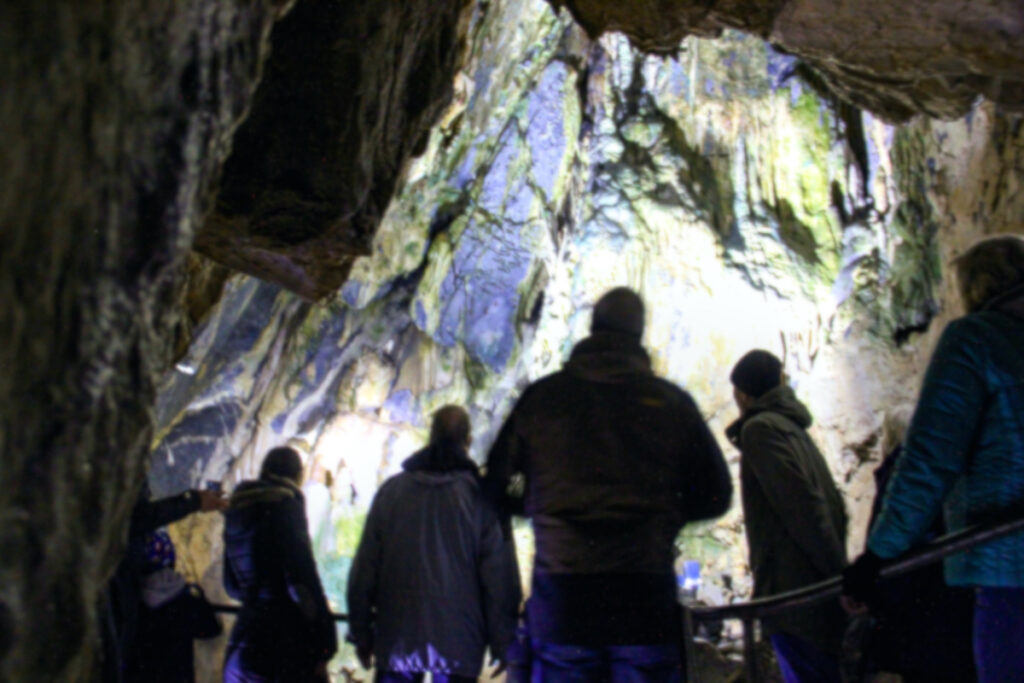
{"x": 284, "y": 624}
{"x": 965, "y": 447}
{"x": 610, "y": 462}
{"x": 923, "y": 629}
{"x": 120, "y": 609}
{"x": 794, "y": 515}
{"x": 434, "y": 580}
{"x": 172, "y": 615}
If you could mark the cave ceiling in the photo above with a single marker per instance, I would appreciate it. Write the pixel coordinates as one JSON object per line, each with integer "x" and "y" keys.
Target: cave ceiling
{"x": 350, "y": 93}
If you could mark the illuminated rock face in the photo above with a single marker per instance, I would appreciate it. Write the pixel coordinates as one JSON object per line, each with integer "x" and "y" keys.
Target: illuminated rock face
{"x": 723, "y": 191}
{"x": 748, "y": 211}
{"x": 894, "y": 58}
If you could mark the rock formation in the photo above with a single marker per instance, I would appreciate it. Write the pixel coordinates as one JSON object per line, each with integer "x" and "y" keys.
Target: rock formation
{"x": 893, "y": 58}
{"x": 748, "y": 208}
{"x": 119, "y": 118}
{"x": 134, "y": 131}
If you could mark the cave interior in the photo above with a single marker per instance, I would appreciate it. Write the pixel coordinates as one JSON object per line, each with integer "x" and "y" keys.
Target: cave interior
{"x": 232, "y": 226}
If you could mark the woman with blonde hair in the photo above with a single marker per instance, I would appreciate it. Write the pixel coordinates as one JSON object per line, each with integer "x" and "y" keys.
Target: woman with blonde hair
{"x": 964, "y": 450}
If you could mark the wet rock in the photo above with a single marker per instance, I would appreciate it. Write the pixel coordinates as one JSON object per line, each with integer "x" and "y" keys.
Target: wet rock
{"x": 118, "y": 118}
{"x": 893, "y": 58}
{"x": 749, "y": 210}
{"x": 349, "y": 94}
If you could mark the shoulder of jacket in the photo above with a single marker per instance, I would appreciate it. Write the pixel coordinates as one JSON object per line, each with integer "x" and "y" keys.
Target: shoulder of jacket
{"x": 766, "y": 420}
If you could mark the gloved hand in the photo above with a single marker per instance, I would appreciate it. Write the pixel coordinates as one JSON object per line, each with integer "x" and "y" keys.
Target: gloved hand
{"x": 860, "y": 579}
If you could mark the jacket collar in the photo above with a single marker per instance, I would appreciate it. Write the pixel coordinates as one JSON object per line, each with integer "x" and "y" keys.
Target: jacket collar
{"x": 270, "y": 489}
{"x": 441, "y": 457}
{"x": 782, "y": 401}
{"x": 609, "y": 357}
{"x": 1011, "y": 302}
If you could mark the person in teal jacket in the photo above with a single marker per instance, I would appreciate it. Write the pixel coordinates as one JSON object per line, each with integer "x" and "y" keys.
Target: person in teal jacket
{"x": 965, "y": 450}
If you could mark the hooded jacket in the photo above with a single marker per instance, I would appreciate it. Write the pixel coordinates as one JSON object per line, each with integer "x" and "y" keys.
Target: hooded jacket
{"x": 610, "y": 462}
{"x": 434, "y": 581}
{"x": 793, "y": 513}
{"x": 269, "y": 566}
{"x": 965, "y": 447}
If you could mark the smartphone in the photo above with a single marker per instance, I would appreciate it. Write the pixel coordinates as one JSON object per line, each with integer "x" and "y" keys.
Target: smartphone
{"x": 214, "y": 485}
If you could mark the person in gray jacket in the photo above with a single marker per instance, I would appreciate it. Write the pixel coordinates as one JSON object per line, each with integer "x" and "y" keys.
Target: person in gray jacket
{"x": 434, "y": 581}
{"x": 793, "y": 513}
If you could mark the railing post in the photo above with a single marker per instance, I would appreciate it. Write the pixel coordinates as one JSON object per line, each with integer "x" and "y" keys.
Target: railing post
{"x": 750, "y": 668}
{"x": 689, "y": 651}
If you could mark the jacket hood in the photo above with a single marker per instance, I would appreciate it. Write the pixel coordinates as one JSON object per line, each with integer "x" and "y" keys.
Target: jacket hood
{"x": 161, "y": 587}
{"x": 1011, "y": 302}
{"x": 609, "y": 357}
{"x": 442, "y": 457}
{"x": 269, "y": 490}
{"x": 782, "y": 401}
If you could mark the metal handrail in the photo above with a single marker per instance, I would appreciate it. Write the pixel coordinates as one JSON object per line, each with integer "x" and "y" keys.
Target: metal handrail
{"x": 807, "y": 596}
{"x": 221, "y": 608}
{"x": 752, "y": 610}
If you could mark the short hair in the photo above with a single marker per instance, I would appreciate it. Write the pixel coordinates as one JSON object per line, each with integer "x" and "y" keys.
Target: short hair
{"x": 757, "y": 373}
{"x": 451, "y": 423}
{"x": 991, "y": 267}
{"x": 619, "y": 310}
{"x": 283, "y": 461}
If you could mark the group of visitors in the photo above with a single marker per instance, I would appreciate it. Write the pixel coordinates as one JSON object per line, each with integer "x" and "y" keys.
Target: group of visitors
{"x": 610, "y": 462}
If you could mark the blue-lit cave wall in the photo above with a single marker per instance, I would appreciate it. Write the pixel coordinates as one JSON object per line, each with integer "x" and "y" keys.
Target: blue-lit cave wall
{"x": 747, "y": 209}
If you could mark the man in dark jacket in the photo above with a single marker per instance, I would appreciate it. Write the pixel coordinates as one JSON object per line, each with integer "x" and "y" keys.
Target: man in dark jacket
{"x": 610, "y": 462}
{"x": 434, "y": 581}
{"x": 119, "y": 611}
{"x": 793, "y": 513}
{"x": 284, "y": 632}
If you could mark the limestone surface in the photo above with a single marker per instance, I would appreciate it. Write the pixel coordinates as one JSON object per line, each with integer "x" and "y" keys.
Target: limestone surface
{"x": 747, "y": 207}
{"x": 893, "y": 58}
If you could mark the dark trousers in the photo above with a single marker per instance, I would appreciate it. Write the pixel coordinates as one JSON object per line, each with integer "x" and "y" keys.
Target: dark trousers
{"x": 556, "y": 663}
{"x": 999, "y": 634}
{"x": 245, "y": 666}
{"x": 417, "y": 677}
{"x": 801, "y": 662}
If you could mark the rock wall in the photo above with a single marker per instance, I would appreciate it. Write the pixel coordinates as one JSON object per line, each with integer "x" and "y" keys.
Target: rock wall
{"x": 563, "y": 167}
{"x": 351, "y": 92}
{"x": 895, "y": 59}
{"x": 748, "y": 206}
{"x": 118, "y": 119}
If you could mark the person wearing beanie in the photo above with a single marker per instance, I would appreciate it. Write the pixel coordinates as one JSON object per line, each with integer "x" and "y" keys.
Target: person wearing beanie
{"x": 610, "y": 462}
{"x": 793, "y": 513}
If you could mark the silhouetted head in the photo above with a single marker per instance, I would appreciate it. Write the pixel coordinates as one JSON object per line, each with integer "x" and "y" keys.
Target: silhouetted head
{"x": 451, "y": 423}
{"x": 282, "y": 461}
{"x": 990, "y": 268}
{"x": 757, "y": 373}
{"x": 619, "y": 310}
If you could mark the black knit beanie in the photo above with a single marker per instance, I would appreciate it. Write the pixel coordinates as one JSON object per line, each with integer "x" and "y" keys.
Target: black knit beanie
{"x": 757, "y": 373}
{"x": 619, "y": 310}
